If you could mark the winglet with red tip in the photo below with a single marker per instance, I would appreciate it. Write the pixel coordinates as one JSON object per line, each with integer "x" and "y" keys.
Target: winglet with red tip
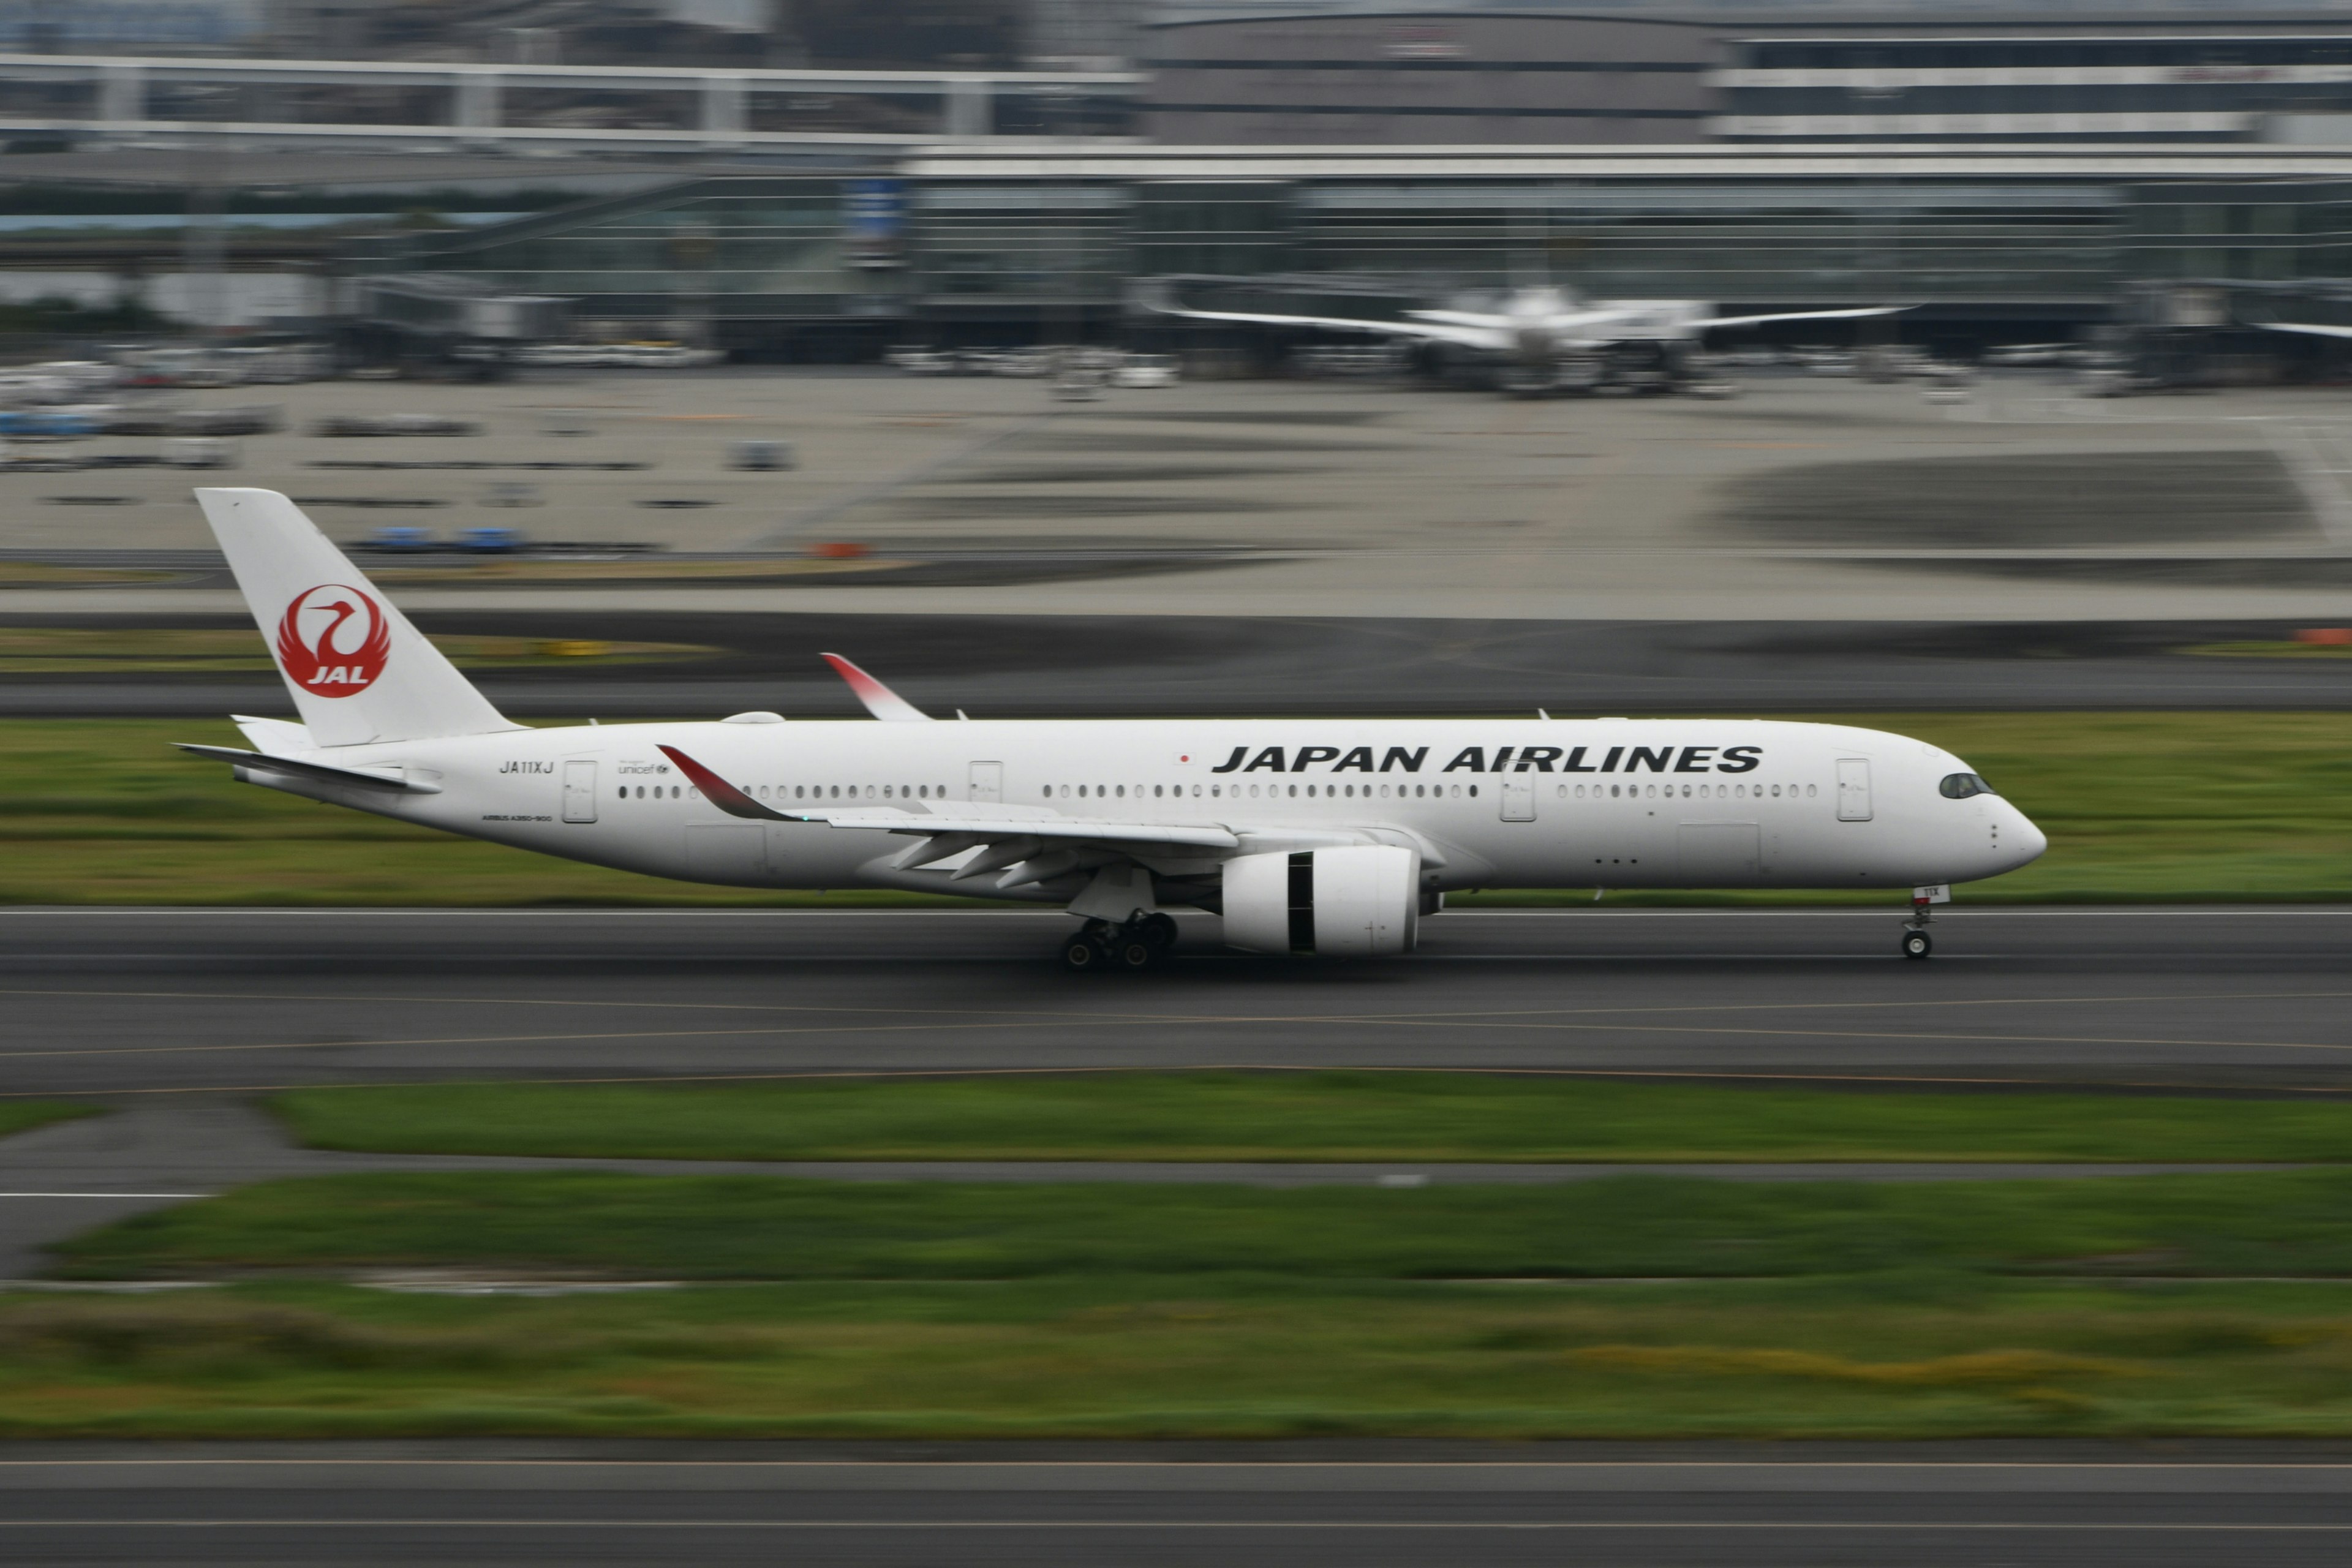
{"x": 880, "y": 701}
{"x": 721, "y": 793}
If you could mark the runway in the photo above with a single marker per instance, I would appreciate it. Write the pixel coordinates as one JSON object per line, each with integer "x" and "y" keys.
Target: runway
{"x": 125, "y": 1003}
{"x": 1818, "y": 1505}
{"x": 1074, "y": 666}
{"x": 175, "y": 1017}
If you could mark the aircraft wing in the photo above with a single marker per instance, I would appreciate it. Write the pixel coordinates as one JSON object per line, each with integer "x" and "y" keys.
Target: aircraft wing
{"x": 983, "y": 827}
{"x": 1024, "y": 844}
{"x": 976, "y": 823}
{"x": 879, "y": 700}
{"x": 2307, "y": 328}
{"x": 1464, "y": 331}
{"x": 1714, "y": 322}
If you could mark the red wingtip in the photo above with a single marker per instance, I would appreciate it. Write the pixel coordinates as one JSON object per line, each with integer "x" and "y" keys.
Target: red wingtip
{"x": 719, "y": 791}
{"x": 878, "y": 699}
{"x": 864, "y": 685}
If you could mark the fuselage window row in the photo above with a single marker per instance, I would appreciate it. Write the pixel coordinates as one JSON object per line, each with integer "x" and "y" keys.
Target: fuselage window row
{"x": 1351, "y": 792}
{"x": 1704, "y": 791}
{"x": 1275, "y": 792}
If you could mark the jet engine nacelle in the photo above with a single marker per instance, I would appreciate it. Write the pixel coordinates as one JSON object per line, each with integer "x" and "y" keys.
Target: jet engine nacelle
{"x": 1357, "y": 902}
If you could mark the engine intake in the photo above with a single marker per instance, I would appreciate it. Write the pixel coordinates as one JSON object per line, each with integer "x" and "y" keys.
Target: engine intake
{"x": 1357, "y": 902}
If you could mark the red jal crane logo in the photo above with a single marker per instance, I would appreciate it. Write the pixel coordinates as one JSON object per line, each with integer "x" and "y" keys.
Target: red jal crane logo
{"x": 332, "y": 641}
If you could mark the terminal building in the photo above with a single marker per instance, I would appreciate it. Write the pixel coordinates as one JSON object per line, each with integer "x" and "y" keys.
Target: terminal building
{"x": 2007, "y": 169}
{"x": 1987, "y": 244}
{"x": 1762, "y": 71}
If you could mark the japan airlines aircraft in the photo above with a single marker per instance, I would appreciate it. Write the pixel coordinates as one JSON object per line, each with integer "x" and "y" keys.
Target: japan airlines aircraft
{"x": 1329, "y": 837}
{"x": 1543, "y": 333}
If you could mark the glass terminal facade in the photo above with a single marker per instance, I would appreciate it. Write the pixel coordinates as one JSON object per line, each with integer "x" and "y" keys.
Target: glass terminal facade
{"x": 770, "y": 260}
{"x": 2058, "y": 84}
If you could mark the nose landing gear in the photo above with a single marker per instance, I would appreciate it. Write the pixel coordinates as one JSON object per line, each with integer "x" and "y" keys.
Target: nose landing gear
{"x": 1917, "y": 942}
{"x": 1131, "y": 946}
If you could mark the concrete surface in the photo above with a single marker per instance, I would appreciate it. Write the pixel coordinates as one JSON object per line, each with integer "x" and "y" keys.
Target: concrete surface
{"x": 1105, "y": 666}
{"x": 1229, "y": 1505}
{"x": 123, "y": 1002}
{"x": 1387, "y": 500}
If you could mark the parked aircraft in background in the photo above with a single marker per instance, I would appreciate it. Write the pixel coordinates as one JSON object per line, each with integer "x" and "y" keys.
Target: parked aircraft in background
{"x": 1309, "y": 836}
{"x": 1547, "y": 337}
{"x": 2308, "y": 329}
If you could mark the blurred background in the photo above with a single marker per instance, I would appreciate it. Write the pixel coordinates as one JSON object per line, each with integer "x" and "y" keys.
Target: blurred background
{"x": 1978, "y": 370}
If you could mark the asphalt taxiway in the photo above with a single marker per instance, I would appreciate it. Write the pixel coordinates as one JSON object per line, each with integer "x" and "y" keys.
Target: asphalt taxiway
{"x": 1369, "y": 1504}
{"x": 179, "y": 1017}
{"x": 126, "y": 1001}
{"x": 1079, "y": 665}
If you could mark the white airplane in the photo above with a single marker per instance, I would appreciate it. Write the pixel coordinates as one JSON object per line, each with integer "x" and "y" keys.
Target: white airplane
{"x": 1328, "y": 837}
{"x": 1542, "y": 331}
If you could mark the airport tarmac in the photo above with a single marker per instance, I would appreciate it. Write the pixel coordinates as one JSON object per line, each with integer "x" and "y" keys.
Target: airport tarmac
{"x": 126, "y": 1002}
{"x": 1823, "y": 498}
{"x": 179, "y": 1017}
{"x": 1442, "y": 543}
{"x": 1140, "y": 666}
{"x": 1657, "y": 1505}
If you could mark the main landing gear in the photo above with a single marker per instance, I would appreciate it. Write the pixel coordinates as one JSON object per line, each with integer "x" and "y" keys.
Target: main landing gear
{"x": 1133, "y": 945}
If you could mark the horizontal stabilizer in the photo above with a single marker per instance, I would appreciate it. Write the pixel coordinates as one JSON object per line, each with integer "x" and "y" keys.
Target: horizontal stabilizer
{"x": 390, "y": 781}
{"x": 275, "y": 736}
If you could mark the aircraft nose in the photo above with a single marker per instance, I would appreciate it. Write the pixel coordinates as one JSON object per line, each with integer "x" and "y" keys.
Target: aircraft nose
{"x": 2024, "y": 842}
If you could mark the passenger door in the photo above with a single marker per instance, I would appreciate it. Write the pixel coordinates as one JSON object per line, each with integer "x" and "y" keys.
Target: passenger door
{"x": 1519, "y": 798}
{"x": 1853, "y": 789}
{"x": 580, "y": 792}
{"x": 987, "y": 782}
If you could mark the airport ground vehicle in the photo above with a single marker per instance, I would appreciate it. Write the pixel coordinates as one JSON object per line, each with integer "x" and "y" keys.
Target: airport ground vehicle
{"x": 400, "y": 538}
{"x": 1146, "y": 371}
{"x": 760, "y": 454}
{"x": 1321, "y": 836}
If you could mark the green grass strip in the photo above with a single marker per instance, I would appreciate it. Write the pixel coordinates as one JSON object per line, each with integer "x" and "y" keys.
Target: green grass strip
{"x": 1887, "y": 1357}
{"x": 24, "y": 1115}
{"x": 1321, "y": 1116}
{"x": 765, "y": 1227}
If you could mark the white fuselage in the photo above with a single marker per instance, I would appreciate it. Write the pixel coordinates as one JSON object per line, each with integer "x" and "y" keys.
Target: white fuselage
{"x": 1485, "y": 803}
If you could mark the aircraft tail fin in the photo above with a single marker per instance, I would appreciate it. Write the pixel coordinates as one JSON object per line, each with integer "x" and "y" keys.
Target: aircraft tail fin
{"x": 357, "y": 669}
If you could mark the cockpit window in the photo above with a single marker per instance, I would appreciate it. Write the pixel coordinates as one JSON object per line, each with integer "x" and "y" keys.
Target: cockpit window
{"x": 1959, "y": 786}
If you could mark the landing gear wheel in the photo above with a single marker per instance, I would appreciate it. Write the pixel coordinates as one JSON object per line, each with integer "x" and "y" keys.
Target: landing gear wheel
{"x": 1134, "y": 954}
{"x": 1082, "y": 954}
{"x": 1918, "y": 944}
{"x": 1158, "y": 930}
